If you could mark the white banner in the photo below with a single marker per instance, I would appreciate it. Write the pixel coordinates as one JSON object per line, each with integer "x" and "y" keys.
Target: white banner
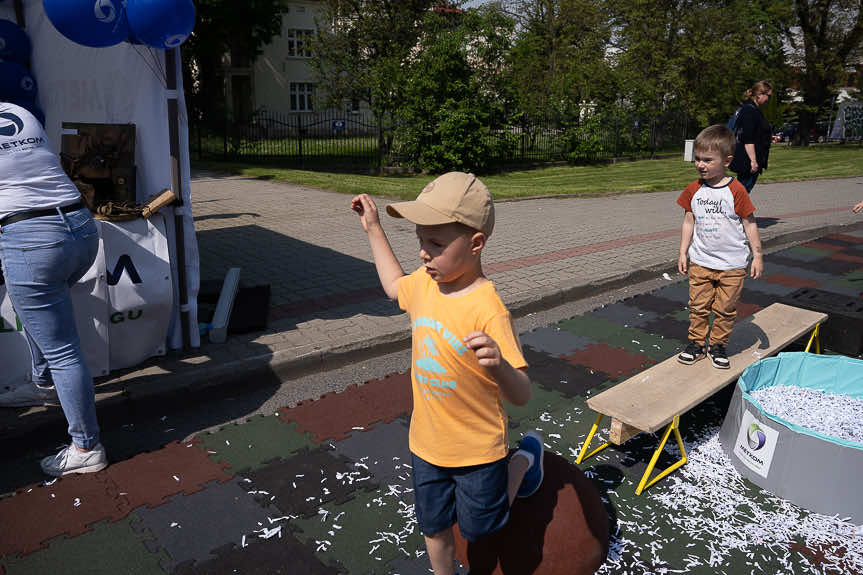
{"x": 122, "y": 304}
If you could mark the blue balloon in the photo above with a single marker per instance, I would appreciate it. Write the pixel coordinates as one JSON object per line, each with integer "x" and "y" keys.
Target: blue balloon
{"x": 17, "y": 85}
{"x": 14, "y": 43}
{"x": 94, "y": 23}
{"x": 161, "y": 24}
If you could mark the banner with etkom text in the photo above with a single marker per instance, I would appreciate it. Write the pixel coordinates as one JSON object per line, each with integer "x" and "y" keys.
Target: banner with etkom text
{"x": 122, "y": 304}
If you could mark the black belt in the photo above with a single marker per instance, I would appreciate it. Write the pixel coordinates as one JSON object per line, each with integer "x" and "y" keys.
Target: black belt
{"x": 38, "y": 214}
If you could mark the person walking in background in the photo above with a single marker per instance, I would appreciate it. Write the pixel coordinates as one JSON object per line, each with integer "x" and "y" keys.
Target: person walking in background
{"x": 48, "y": 240}
{"x": 753, "y": 134}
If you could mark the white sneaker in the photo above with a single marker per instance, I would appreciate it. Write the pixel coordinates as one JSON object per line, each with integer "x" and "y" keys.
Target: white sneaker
{"x": 27, "y": 394}
{"x": 73, "y": 460}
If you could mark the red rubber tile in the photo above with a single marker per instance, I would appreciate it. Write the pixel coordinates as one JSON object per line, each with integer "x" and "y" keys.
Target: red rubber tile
{"x": 562, "y": 529}
{"x": 824, "y": 246}
{"x": 335, "y": 415}
{"x": 790, "y": 281}
{"x": 846, "y": 258}
{"x": 614, "y": 361}
{"x": 746, "y": 309}
{"x": 39, "y": 513}
{"x": 846, "y": 238}
{"x": 149, "y": 478}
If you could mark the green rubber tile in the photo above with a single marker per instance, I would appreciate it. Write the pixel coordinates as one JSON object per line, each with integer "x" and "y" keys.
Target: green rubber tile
{"x": 109, "y": 549}
{"x": 366, "y": 533}
{"x": 631, "y": 339}
{"x": 541, "y": 400}
{"x": 681, "y": 315}
{"x": 808, "y": 254}
{"x": 251, "y": 444}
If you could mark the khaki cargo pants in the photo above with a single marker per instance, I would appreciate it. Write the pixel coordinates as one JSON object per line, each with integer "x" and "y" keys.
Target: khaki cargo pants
{"x": 717, "y": 291}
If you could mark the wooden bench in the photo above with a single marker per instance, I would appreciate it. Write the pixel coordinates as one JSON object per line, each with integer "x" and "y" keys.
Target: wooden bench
{"x": 657, "y": 397}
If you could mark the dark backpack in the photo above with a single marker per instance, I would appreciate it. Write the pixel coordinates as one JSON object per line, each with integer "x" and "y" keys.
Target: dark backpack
{"x": 732, "y": 121}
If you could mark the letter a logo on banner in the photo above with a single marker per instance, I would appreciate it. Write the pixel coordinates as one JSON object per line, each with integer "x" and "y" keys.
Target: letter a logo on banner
{"x": 124, "y": 262}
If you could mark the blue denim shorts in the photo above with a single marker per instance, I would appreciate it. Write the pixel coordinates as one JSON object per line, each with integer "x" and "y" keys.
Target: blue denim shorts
{"x": 475, "y": 497}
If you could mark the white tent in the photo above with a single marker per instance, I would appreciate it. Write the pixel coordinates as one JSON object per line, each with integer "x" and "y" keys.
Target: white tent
{"x": 125, "y": 84}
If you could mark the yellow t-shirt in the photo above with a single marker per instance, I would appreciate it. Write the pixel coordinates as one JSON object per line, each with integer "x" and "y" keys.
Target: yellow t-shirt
{"x": 458, "y": 416}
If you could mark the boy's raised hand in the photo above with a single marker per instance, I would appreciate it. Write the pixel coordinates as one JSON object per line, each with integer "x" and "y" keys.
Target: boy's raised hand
{"x": 486, "y": 349}
{"x": 365, "y": 206}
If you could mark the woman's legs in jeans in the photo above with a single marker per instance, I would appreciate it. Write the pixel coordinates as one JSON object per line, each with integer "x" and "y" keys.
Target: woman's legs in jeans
{"x": 42, "y": 258}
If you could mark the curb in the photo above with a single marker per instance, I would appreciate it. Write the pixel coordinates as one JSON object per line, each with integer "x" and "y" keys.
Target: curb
{"x": 186, "y": 387}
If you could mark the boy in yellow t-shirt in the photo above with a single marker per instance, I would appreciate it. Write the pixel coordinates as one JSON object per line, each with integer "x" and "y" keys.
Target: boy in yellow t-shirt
{"x": 466, "y": 360}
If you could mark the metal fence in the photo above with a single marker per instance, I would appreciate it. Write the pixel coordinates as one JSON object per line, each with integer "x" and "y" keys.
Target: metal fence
{"x": 358, "y": 141}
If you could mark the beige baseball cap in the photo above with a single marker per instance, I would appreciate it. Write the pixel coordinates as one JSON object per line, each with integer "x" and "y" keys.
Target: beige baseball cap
{"x": 452, "y": 197}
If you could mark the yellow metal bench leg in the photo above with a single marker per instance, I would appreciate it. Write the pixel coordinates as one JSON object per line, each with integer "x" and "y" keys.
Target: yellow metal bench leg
{"x": 673, "y": 426}
{"x": 815, "y": 337}
{"x": 581, "y": 456}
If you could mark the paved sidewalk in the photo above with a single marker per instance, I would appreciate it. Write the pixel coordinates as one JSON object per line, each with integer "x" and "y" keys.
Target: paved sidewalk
{"x": 327, "y": 307}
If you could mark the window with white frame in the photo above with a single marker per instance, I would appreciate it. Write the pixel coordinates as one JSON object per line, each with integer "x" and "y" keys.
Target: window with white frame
{"x": 299, "y": 42}
{"x": 302, "y": 96}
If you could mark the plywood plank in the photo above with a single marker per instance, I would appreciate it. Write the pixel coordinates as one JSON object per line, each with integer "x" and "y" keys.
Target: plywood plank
{"x": 650, "y": 399}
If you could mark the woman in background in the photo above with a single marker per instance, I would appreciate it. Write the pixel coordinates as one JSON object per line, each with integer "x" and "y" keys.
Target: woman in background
{"x": 754, "y": 135}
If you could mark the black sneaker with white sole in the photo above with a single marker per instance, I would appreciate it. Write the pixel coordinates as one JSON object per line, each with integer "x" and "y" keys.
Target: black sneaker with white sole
{"x": 719, "y": 356}
{"x": 693, "y": 352}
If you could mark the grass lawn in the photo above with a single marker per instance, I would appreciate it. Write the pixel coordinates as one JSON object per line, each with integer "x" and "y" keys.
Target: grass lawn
{"x": 786, "y": 164}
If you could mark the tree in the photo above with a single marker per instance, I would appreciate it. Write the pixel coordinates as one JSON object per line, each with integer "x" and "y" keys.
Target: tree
{"x": 696, "y": 56}
{"x": 828, "y": 34}
{"x": 363, "y": 48}
{"x": 225, "y": 34}
{"x": 558, "y": 60}
{"x": 455, "y": 86}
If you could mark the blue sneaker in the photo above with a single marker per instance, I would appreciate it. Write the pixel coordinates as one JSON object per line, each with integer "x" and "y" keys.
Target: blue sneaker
{"x": 531, "y": 443}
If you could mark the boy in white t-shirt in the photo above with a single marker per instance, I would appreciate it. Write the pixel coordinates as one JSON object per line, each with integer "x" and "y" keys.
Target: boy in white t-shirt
{"x": 716, "y": 226}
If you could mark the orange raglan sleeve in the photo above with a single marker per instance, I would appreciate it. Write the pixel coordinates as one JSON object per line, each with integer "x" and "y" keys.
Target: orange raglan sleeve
{"x": 685, "y": 199}
{"x": 743, "y": 206}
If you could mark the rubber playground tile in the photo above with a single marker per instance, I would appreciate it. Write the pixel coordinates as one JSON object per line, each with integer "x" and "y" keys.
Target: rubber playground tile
{"x": 849, "y": 239}
{"x": 752, "y": 297}
{"x": 631, "y": 339}
{"x": 670, "y": 328}
{"x": 838, "y": 240}
{"x": 804, "y": 254}
{"x": 562, "y": 529}
{"x": 807, "y": 273}
{"x": 655, "y": 303}
{"x": 824, "y": 246}
{"x": 795, "y": 282}
{"x": 298, "y": 486}
{"x": 772, "y": 288}
{"x": 108, "y": 549}
{"x": 366, "y": 533}
{"x": 278, "y": 555}
{"x": 845, "y": 257}
{"x": 614, "y": 361}
{"x": 541, "y": 400}
{"x": 853, "y": 288}
{"x": 335, "y": 415}
{"x": 68, "y": 506}
{"x": 559, "y": 375}
{"x": 675, "y": 292}
{"x": 188, "y": 528}
{"x": 150, "y": 478}
{"x": 836, "y": 265}
{"x": 250, "y": 444}
{"x": 382, "y": 451}
{"x": 553, "y": 341}
{"x": 746, "y": 309}
{"x": 625, "y": 315}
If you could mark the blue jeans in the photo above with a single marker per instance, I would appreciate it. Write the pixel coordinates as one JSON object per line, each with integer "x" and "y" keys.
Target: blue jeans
{"x": 748, "y": 180}
{"x": 42, "y": 258}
